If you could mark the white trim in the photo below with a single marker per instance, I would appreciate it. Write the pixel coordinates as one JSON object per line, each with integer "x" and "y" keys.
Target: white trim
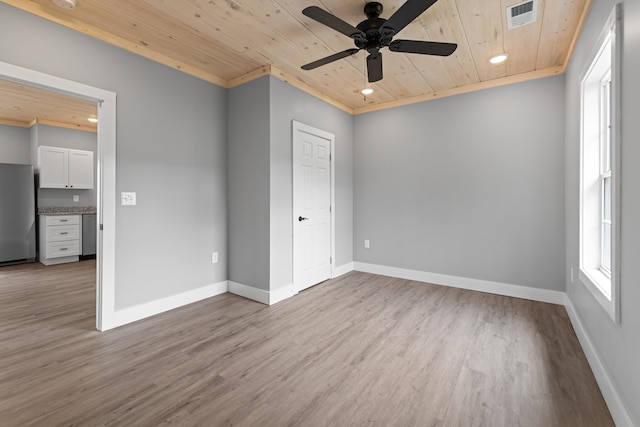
{"x": 142, "y": 311}
{"x": 616, "y": 407}
{"x": 106, "y": 210}
{"x": 61, "y": 260}
{"x": 616, "y": 160}
{"x": 106, "y": 136}
{"x": 610, "y": 303}
{"x": 249, "y": 292}
{"x": 517, "y": 291}
{"x": 332, "y": 179}
{"x": 260, "y": 295}
{"x": 342, "y": 269}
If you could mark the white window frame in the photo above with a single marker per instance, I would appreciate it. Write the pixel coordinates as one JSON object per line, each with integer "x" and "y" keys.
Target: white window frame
{"x": 599, "y": 137}
{"x": 605, "y": 173}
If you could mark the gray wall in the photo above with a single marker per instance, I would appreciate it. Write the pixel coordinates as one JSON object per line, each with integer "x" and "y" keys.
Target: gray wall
{"x": 469, "y": 186}
{"x": 618, "y": 345}
{"x": 67, "y": 138}
{"x": 171, "y": 150}
{"x": 14, "y": 145}
{"x": 288, "y": 104}
{"x": 261, "y": 181}
{"x": 248, "y": 186}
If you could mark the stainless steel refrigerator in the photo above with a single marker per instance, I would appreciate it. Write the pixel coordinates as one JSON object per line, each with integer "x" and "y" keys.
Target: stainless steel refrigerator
{"x": 17, "y": 214}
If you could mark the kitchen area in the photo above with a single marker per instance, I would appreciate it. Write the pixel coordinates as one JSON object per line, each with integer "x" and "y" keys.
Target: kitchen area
{"x": 48, "y": 194}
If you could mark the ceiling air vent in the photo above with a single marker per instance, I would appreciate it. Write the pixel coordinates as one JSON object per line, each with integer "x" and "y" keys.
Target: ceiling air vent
{"x": 522, "y": 14}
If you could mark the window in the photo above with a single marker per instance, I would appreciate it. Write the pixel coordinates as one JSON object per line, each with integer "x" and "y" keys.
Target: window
{"x": 605, "y": 175}
{"x": 600, "y": 170}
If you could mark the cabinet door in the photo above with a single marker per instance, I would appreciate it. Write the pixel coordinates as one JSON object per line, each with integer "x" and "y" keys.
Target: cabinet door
{"x": 80, "y": 169}
{"x": 54, "y": 167}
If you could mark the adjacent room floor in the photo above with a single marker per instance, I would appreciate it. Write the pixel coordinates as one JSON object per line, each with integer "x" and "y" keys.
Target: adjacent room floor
{"x": 354, "y": 351}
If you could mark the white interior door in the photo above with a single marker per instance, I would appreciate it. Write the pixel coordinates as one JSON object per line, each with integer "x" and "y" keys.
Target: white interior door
{"x": 312, "y": 230}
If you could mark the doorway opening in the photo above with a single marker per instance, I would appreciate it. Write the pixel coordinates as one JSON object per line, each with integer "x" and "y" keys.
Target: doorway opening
{"x": 106, "y": 176}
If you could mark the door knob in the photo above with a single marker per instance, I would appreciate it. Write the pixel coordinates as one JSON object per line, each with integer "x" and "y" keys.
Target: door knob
{"x": 301, "y": 218}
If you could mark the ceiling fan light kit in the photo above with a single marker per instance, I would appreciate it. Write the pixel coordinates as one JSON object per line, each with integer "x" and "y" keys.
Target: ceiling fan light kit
{"x": 375, "y": 33}
{"x": 66, "y": 4}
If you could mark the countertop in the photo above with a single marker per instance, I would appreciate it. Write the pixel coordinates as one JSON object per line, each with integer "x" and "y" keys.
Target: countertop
{"x": 70, "y": 210}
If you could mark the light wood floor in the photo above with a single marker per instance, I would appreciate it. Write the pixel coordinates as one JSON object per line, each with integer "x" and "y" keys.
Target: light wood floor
{"x": 361, "y": 350}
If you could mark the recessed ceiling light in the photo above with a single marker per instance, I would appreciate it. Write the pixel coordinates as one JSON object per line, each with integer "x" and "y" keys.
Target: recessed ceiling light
{"x": 498, "y": 59}
{"x": 367, "y": 91}
{"x": 93, "y": 120}
{"x": 67, "y": 4}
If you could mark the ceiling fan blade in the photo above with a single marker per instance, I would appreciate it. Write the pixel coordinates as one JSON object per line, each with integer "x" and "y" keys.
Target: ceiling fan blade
{"x": 374, "y": 67}
{"x": 330, "y": 58}
{"x": 403, "y": 16}
{"x": 332, "y": 21}
{"x": 425, "y": 48}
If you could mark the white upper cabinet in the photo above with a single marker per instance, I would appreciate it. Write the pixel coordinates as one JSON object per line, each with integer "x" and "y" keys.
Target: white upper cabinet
{"x": 81, "y": 169}
{"x": 65, "y": 168}
{"x": 54, "y": 167}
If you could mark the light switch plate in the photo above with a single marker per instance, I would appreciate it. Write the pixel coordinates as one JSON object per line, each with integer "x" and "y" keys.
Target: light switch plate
{"x": 76, "y": 198}
{"x": 127, "y": 199}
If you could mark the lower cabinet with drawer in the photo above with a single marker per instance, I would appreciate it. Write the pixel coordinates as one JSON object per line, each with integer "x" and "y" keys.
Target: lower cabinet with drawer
{"x": 59, "y": 238}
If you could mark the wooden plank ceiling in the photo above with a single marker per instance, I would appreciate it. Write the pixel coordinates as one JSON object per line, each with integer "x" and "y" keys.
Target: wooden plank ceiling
{"x": 229, "y": 42}
{"x": 24, "y": 106}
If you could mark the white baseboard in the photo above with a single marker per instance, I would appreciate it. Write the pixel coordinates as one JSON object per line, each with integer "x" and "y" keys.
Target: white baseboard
{"x": 618, "y": 411}
{"x": 249, "y": 292}
{"x": 260, "y": 295}
{"x": 342, "y": 269}
{"x": 61, "y": 260}
{"x": 280, "y": 294}
{"x": 138, "y": 312}
{"x": 525, "y": 292}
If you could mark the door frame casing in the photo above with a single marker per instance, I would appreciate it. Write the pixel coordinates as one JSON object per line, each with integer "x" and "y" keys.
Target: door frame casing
{"x": 301, "y": 127}
{"x": 106, "y": 177}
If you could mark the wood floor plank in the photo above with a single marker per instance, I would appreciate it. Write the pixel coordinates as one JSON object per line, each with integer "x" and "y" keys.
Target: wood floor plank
{"x": 358, "y": 350}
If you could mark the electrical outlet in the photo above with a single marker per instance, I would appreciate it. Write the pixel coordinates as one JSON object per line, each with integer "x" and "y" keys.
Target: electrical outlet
{"x": 76, "y": 198}
{"x": 366, "y": 244}
{"x": 214, "y": 257}
{"x": 127, "y": 199}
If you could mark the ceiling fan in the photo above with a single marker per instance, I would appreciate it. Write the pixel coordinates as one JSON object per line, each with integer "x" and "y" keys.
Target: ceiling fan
{"x": 374, "y": 33}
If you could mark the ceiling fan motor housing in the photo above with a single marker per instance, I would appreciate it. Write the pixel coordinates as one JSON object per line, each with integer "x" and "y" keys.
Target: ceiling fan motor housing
{"x": 370, "y": 28}
{"x": 373, "y": 9}
{"x": 375, "y": 39}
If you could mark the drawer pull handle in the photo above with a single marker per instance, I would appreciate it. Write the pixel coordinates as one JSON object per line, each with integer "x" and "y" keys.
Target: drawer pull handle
{"x": 64, "y": 233}
{"x": 64, "y": 220}
{"x": 64, "y": 249}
